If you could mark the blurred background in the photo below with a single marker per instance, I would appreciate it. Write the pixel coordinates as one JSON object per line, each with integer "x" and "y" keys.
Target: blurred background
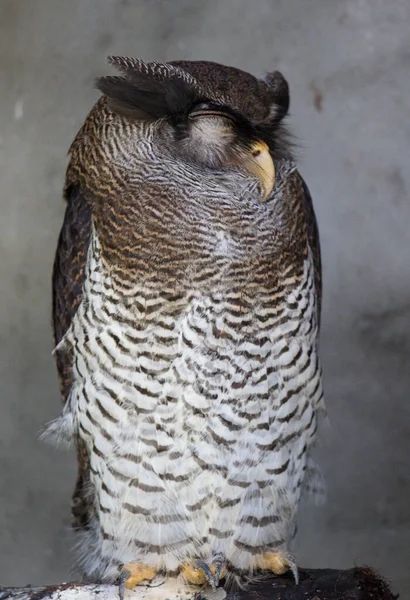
{"x": 347, "y": 63}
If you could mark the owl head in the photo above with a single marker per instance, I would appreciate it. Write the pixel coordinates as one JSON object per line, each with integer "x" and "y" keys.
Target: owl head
{"x": 215, "y": 116}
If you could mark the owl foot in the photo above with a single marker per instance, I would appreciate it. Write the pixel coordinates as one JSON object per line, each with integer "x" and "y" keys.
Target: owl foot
{"x": 200, "y": 572}
{"x": 278, "y": 563}
{"x": 134, "y": 573}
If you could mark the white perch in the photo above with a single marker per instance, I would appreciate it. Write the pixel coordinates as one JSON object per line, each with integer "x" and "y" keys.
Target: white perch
{"x": 167, "y": 589}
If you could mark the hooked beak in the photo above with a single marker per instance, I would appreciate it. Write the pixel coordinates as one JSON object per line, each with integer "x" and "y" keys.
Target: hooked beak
{"x": 260, "y": 165}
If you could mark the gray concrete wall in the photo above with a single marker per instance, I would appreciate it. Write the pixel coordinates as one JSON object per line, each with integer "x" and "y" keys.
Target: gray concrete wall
{"x": 347, "y": 63}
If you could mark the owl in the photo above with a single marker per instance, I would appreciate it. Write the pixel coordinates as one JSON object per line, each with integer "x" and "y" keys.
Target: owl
{"x": 186, "y": 309}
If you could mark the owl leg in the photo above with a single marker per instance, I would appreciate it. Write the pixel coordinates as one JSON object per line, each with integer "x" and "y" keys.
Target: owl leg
{"x": 200, "y": 572}
{"x": 134, "y": 573}
{"x": 278, "y": 563}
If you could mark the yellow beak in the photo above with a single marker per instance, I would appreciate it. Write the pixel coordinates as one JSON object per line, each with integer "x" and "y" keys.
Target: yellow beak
{"x": 260, "y": 164}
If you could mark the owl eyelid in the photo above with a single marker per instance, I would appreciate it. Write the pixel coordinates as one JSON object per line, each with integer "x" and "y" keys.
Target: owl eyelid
{"x": 211, "y": 113}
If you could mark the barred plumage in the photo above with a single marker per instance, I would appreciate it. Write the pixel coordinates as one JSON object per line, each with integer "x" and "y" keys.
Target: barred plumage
{"x": 186, "y": 313}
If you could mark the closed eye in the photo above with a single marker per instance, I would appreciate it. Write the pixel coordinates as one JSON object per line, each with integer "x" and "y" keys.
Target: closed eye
{"x": 196, "y": 114}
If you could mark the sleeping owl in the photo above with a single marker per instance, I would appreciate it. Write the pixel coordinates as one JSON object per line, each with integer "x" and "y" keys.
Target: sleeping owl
{"x": 186, "y": 309}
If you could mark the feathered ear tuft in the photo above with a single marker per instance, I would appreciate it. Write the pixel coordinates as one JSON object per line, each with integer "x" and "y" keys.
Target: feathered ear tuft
{"x": 130, "y": 100}
{"x": 123, "y": 63}
{"x": 148, "y": 90}
{"x": 279, "y": 93}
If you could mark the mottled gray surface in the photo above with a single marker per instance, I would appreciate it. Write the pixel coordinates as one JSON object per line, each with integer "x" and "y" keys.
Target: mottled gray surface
{"x": 347, "y": 63}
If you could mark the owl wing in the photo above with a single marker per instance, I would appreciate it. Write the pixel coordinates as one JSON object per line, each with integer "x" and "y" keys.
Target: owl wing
{"x": 69, "y": 273}
{"x": 314, "y": 241}
{"x": 68, "y": 279}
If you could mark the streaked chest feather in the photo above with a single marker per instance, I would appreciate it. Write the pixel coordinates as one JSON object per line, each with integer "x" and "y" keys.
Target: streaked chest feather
{"x": 196, "y": 400}
{"x": 227, "y": 354}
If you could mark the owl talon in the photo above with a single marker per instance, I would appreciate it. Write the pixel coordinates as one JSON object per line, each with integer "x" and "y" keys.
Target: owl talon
{"x": 278, "y": 563}
{"x": 132, "y": 574}
{"x": 217, "y": 568}
{"x": 202, "y": 566}
{"x": 201, "y": 572}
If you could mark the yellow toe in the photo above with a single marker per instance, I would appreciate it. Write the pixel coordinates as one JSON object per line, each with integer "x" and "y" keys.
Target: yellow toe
{"x": 193, "y": 575}
{"x": 136, "y": 573}
{"x": 273, "y": 561}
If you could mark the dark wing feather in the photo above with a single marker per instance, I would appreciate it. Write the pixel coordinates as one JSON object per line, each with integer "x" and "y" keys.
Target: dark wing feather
{"x": 68, "y": 279}
{"x": 68, "y": 274}
{"x": 139, "y": 96}
{"x": 314, "y": 242}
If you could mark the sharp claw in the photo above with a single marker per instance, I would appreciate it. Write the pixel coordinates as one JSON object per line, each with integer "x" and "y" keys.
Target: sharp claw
{"x": 218, "y": 562}
{"x": 295, "y": 572}
{"x": 123, "y": 578}
{"x": 292, "y": 566}
{"x": 204, "y": 567}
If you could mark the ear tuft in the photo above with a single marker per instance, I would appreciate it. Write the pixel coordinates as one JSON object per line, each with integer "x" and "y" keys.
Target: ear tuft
{"x": 130, "y": 100}
{"x": 147, "y": 90}
{"x": 122, "y": 63}
{"x": 279, "y": 92}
